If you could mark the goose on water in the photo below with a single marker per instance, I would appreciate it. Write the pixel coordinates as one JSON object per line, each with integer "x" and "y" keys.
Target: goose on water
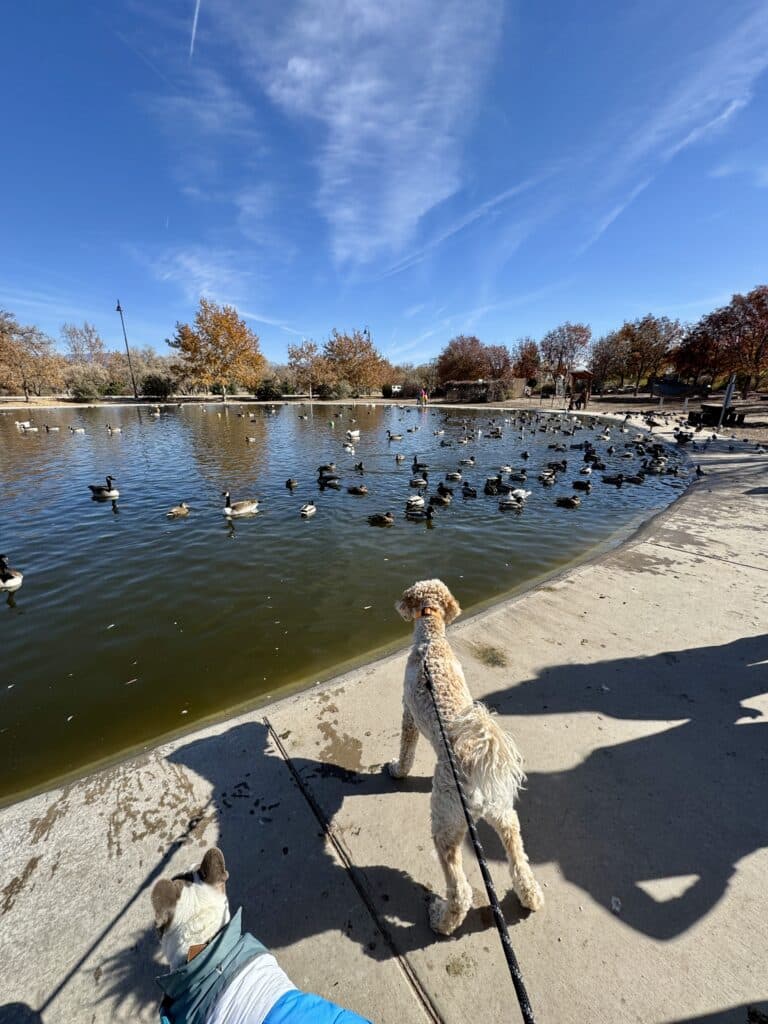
{"x": 10, "y": 579}
{"x": 51, "y": 430}
{"x": 105, "y": 491}
{"x": 382, "y": 519}
{"x": 77, "y": 430}
{"x": 114, "y": 430}
{"x": 232, "y": 509}
{"x": 178, "y": 511}
{"x": 420, "y": 481}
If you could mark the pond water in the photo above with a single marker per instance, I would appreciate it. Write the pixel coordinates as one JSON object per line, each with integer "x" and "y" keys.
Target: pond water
{"x": 130, "y": 626}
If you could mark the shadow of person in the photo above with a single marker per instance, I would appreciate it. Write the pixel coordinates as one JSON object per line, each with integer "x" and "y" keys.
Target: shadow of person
{"x": 657, "y": 823}
{"x": 282, "y": 870}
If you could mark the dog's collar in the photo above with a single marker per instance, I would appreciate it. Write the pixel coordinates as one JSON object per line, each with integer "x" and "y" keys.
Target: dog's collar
{"x": 195, "y": 949}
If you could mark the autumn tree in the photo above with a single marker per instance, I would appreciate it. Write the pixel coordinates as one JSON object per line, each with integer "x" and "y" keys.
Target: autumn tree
{"x": 701, "y": 352}
{"x": 526, "y": 359}
{"x": 84, "y": 343}
{"x": 219, "y": 351}
{"x": 746, "y": 336}
{"x": 608, "y": 359}
{"x": 498, "y": 362}
{"x": 29, "y": 361}
{"x": 352, "y": 358}
{"x": 649, "y": 342}
{"x": 463, "y": 358}
{"x": 307, "y": 365}
{"x": 563, "y": 347}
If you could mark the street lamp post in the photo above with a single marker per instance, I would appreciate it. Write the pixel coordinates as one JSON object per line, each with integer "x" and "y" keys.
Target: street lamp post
{"x": 119, "y": 309}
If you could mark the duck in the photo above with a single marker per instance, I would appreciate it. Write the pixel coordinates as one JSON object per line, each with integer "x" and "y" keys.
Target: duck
{"x": 519, "y": 494}
{"x": 77, "y": 430}
{"x": 156, "y": 412}
{"x": 467, "y": 491}
{"x": 349, "y": 448}
{"x": 442, "y": 489}
{"x": 491, "y": 485}
{"x": 51, "y": 430}
{"x": 399, "y": 457}
{"x": 617, "y": 479}
{"x": 420, "y": 481}
{"x": 636, "y": 478}
{"x": 104, "y": 491}
{"x": 291, "y": 482}
{"x": 353, "y": 435}
{"x": 414, "y": 501}
{"x": 505, "y": 469}
{"x": 455, "y": 476}
{"x": 329, "y": 467}
{"x": 446, "y": 443}
{"x": 246, "y": 507}
{"x": 308, "y": 510}
{"x": 547, "y": 476}
{"x": 525, "y": 455}
{"x": 113, "y": 430}
{"x": 508, "y": 504}
{"x": 178, "y": 511}
{"x": 30, "y": 430}
{"x": 568, "y": 501}
{"x": 519, "y": 475}
{"x": 440, "y": 499}
{"x": 10, "y": 579}
{"x": 359, "y": 467}
{"x": 582, "y": 485}
{"x": 360, "y": 489}
{"x": 382, "y": 519}
{"x": 420, "y": 514}
{"x": 469, "y": 461}
{"x": 418, "y": 467}
{"x": 586, "y": 470}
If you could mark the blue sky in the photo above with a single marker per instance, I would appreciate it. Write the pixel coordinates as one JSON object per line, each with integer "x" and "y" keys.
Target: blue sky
{"x": 422, "y": 167}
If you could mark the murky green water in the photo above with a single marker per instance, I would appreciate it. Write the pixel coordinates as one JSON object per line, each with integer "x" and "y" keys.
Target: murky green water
{"x": 129, "y": 626}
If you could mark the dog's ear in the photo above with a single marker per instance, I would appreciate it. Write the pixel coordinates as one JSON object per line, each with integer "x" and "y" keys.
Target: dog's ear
{"x": 213, "y": 870}
{"x": 165, "y": 896}
{"x": 408, "y": 604}
{"x": 451, "y": 607}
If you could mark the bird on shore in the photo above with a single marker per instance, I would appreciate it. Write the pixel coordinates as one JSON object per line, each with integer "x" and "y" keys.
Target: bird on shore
{"x": 699, "y": 470}
{"x": 178, "y": 511}
{"x": 107, "y": 491}
{"x": 232, "y": 509}
{"x": 382, "y": 519}
{"x": 10, "y": 579}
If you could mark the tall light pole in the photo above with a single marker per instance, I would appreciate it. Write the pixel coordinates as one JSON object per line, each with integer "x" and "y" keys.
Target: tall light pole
{"x": 119, "y": 309}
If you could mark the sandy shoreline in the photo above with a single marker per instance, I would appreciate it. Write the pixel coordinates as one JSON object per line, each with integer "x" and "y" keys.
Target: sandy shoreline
{"x": 635, "y": 685}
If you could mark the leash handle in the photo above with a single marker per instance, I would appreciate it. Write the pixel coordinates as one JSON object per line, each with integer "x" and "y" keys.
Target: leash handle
{"x": 498, "y": 916}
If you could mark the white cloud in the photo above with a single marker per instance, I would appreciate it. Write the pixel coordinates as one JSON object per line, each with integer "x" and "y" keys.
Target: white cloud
{"x": 203, "y": 272}
{"x": 754, "y": 169}
{"x": 605, "y": 222}
{"x": 207, "y": 106}
{"x": 392, "y": 88}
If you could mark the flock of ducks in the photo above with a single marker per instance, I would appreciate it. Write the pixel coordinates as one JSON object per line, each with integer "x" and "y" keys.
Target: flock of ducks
{"x": 507, "y": 483}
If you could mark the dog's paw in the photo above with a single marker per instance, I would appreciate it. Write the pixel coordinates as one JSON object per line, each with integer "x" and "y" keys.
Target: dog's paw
{"x": 444, "y": 916}
{"x": 530, "y": 895}
{"x": 393, "y": 769}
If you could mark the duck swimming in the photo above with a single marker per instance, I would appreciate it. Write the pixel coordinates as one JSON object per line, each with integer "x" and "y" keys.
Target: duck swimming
{"x": 382, "y": 519}
{"x": 178, "y": 511}
{"x": 420, "y": 514}
{"x": 360, "y": 489}
{"x": 104, "y": 491}
{"x": 308, "y": 510}
{"x": 10, "y": 579}
{"x": 572, "y": 501}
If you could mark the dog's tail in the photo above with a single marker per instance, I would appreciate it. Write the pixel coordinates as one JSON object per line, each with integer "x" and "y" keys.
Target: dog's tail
{"x": 487, "y": 755}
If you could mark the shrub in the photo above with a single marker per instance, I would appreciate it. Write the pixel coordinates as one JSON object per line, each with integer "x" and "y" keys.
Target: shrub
{"x": 158, "y": 385}
{"x": 269, "y": 390}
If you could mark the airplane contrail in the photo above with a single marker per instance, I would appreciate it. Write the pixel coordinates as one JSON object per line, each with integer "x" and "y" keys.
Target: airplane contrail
{"x": 194, "y": 29}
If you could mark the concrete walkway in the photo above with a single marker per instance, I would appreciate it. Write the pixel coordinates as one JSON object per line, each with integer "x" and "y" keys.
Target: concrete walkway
{"x": 637, "y": 688}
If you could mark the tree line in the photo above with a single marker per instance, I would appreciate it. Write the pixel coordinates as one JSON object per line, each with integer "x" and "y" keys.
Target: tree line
{"x": 219, "y": 353}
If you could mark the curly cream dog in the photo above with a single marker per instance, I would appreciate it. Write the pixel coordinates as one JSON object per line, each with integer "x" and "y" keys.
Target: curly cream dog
{"x": 490, "y": 762}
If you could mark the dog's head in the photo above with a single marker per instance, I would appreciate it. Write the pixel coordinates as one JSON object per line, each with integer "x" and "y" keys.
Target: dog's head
{"x": 428, "y": 597}
{"x": 190, "y": 909}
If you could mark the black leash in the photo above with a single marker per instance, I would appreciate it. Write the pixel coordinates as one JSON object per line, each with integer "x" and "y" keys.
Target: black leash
{"x": 501, "y": 925}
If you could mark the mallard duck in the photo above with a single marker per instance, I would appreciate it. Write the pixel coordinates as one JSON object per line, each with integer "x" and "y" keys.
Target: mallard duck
{"x": 382, "y": 519}
{"x": 114, "y": 430}
{"x": 104, "y": 491}
{"x": 558, "y": 467}
{"x": 469, "y": 461}
{"x": 467, "y": 491}
{"x": 510, "y": 504}
{"x": 617, "y": 479}
{"x": 178, "y": 511}
{"x": 636, "y": 478}
{"x": 360, "y": 489}
{"x": 10, "y": 579}
{"x": 245, "y": 507}
{"x": 420, "y": 514}
{"x": 455, "y": 476}
{"x": 414, "y": 501}
{"x": 582, "y": 485}
{"x": 440, "y": 499}
{"x": 519, "y": 475}
{"x": 547, "y": 476}
{"x": 492, "y": 485}
{"x": 308, "y": 510}
{"x": 568, "y": 501}
{"x": 291, "y": 482}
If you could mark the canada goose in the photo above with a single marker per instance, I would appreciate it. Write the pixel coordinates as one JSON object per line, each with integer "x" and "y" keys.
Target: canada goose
{"x": 51, "y": 430}
{"x": 440, "y": 499}
{"x": 382, "y": 519}
{"x": 417, "y": 466}
{"x": 582, "y": 485}
{"x": 570, "y": 501}
{"x": 308, "y": 510}
{"x": 420, "y": 514}
{"x": 291, "y": 482}
{"x": 178, "y": 511}
{"x": 399, "y": 457}
{"x": 547, "y": 477}
{"x": 239, "y": 508}
{"x": 329, "y": 467}
{"x": 249, "y": 439}
{"x": 114, "y": 430}
{"x": 617, "y": 479}
{"x": 360, "y": 489}
{"x": 467, "y": 491}
{"x": 455, "y": 476}
{"x": 77, "y": 430}
{"x": 10, "y": 579}
{"x": 359, "y": 467}
{"x": 414, "y": 501}
{"x": 442, "y": 489}
{"x": 102, "y": 491}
